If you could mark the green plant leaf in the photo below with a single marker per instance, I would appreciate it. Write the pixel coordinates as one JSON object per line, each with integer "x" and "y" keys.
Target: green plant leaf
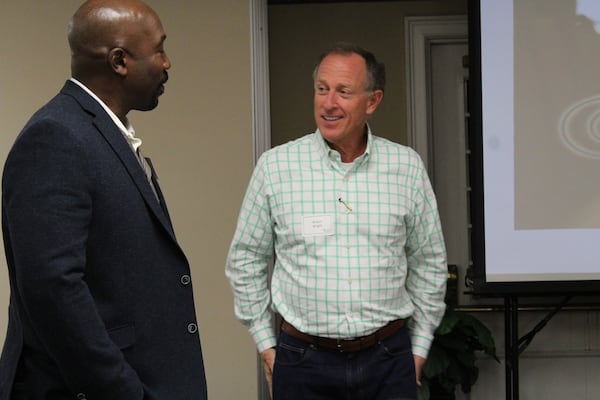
{"x": 465, "y": 324}
{"x": 467, "y": 360}
{"x": 450, "y": 319}
{"x": 437, "y": 362}
{"x": 455, "y": 342}
{"x": 453, "y": 355}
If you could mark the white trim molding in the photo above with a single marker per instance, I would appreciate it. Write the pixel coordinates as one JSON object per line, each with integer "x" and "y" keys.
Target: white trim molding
{"x": 421, "y": 33}
{"x": 261, "y": 114}
{"x": 259, "y": 47}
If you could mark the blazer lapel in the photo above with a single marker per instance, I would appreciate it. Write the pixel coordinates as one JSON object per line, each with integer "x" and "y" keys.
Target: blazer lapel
{"x": 119, "y": 144}
{"x": 121, "y": 147}
{"x": 161, "y": 198}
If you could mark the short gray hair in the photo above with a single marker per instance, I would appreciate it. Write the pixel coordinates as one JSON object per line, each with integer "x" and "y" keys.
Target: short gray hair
{"x": 375, "y": 69}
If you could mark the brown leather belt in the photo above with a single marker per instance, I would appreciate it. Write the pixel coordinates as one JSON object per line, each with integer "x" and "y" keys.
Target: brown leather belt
{"x": 345, "y": 345}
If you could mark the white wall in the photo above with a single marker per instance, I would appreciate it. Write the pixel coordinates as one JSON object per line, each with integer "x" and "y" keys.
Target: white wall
{"x": 562, "y": 362}
{"x": 199, "y": 138}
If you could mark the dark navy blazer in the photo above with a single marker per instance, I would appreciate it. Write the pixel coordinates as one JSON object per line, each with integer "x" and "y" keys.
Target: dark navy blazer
{"x": 101, "y": 303}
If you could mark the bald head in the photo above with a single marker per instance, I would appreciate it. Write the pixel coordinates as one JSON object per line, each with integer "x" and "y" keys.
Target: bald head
{"x": 99, "y": 25}
{"x": 117, "y": 52}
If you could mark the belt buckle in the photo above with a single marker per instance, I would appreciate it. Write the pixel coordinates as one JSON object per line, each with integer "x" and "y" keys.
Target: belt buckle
{"x": 342, "y": 343}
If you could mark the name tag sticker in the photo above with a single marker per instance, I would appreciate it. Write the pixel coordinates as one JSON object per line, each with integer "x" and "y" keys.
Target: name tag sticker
{"x": 317, "y": 225}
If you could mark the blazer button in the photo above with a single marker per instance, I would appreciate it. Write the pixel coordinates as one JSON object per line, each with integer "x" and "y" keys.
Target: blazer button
{"x": 186, "y": 280}
{"x": 192, "y": 328}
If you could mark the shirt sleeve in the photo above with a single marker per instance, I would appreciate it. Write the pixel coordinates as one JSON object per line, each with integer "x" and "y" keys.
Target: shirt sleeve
{"x": 248, "y": 260}
{"x": 427, "y": 269}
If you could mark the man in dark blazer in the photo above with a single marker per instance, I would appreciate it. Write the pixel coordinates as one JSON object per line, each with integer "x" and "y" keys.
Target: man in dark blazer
{"x": 101, "y": 303}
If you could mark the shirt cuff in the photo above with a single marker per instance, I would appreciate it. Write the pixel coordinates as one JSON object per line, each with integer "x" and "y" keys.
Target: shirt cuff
{"x": 264, "y": 337}
{"x": 421, "y": 344}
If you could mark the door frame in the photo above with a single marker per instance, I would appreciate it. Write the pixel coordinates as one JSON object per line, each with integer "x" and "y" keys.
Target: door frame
{"x": 420, "y": 34}
{"x": 261, "y": 114}
{"x": 259, "y": 49}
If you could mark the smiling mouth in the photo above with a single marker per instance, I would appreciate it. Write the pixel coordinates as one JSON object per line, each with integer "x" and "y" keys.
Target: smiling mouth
{"x": 331, "y": 119}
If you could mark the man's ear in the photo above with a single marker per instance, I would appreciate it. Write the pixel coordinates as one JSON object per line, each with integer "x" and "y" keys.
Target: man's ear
{"x": 117, "y": 58}
{"x": 374, "y": 100}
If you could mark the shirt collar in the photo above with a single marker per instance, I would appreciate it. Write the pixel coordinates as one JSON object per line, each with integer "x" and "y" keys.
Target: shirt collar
{"x": 334, "y": 155}
{"x": 126, "y": 129}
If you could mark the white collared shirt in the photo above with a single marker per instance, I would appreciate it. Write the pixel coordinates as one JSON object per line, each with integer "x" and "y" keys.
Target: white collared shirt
{"x": 128, "y": 131}
{"x": 355, "y": 248}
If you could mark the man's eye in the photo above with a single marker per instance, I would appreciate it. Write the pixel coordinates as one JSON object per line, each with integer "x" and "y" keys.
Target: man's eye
{"x": 321, "y": 90}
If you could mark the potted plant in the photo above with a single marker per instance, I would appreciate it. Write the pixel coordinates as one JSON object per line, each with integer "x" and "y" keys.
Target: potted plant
{"x": 453, "y": 355}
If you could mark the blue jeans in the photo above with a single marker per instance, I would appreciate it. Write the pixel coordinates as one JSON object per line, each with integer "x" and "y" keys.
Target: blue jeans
{"x": 385, "y": 371}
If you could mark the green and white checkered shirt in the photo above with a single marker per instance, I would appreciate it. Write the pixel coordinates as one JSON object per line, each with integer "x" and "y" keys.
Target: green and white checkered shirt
{"x": 354, "y": 247}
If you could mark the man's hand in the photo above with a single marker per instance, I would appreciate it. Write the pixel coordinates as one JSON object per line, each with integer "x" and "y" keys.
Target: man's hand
{"x": 419, "y": 362}
{"x": 268, "y": 360}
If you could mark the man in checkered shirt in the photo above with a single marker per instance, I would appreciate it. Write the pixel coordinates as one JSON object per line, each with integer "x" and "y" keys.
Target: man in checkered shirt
{"x": 350, "y": 221}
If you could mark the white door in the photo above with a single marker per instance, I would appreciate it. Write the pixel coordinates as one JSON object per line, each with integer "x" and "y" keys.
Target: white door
{"x": 448, "y": 150}
{"x": 437, "y": 77}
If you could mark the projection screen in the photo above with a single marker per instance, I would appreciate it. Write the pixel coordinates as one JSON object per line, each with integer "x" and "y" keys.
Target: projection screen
{"x": 534, "y": 101}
